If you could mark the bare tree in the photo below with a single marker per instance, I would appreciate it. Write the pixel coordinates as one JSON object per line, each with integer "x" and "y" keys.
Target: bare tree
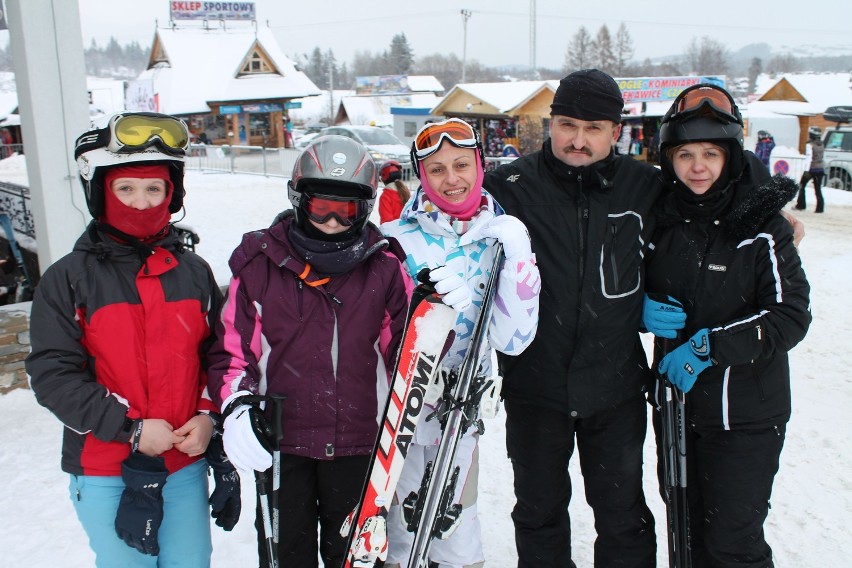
{"x": 446, "y": 68}
{"x": 579, "y": 54}
{"x": 707, "y": 57}
{"x": 604, "y": 57}
{"x": 623, "y": 49}
{"x": 785, "y": 63}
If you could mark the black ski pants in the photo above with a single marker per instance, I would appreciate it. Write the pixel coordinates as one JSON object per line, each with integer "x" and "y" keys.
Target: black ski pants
{"x": 817, "y": 177}
{"x": 729, "y": 483}
{"x": 540, "y": 443}
{"x": 312, "y": 491}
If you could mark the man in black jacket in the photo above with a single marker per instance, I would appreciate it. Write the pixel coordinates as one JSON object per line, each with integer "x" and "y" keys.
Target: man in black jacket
{"x": 585, "y": 375}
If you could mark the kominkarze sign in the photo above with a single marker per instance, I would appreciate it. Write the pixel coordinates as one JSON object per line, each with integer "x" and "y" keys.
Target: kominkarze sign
{"x": 212, "y": 10}
{"x": 638, "y": 89}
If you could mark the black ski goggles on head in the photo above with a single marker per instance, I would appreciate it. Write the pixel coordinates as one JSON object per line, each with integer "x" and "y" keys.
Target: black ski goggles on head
{"x": 135, "y": 131}
{"x": 706, "y": 99}
{"x": 347, "y": 210}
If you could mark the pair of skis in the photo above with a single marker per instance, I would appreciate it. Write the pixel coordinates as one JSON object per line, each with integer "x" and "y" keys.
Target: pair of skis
{"x": 428, "y": 333}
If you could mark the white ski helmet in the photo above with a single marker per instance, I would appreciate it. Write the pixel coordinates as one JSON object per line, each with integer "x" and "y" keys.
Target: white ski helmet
{"x": 128, "y": 138}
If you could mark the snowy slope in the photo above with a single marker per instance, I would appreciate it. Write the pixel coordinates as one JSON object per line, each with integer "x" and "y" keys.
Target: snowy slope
{"x": 811, "y": 512}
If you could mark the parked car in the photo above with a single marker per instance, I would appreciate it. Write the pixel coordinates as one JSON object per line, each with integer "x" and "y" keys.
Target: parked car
{"x": 381, "y": 143}
{"x": 838, "y": 148}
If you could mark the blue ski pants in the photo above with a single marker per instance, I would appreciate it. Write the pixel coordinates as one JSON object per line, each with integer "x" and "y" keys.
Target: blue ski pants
{"x": 184, "y": 536}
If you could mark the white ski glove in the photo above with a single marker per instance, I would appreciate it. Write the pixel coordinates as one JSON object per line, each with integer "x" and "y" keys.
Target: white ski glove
{"x": 513, "y": 234}
{"x": 247, "y": 437}
{"x": 453, "y": 289}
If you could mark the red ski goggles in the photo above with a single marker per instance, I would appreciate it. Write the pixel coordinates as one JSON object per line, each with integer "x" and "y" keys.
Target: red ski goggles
{"x": 706, "y": 99}
{"x": 347, "y": 211}
{"x": 456, "y": 131}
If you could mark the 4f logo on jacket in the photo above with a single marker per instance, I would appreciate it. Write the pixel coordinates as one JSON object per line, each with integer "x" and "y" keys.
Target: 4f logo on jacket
{"x": 513, "y": 178}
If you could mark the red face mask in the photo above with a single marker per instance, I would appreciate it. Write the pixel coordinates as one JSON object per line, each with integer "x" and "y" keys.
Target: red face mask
{"x": 143, "y": 224}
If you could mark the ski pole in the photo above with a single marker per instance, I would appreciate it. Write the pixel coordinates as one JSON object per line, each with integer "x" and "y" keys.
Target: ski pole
{"x": 269, "y": 509}
{"x": 673, "y": 421}
{"x": 278, "y": 434}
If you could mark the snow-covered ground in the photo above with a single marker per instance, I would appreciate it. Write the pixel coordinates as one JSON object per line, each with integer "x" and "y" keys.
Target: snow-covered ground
{"x": 811, "y": 512}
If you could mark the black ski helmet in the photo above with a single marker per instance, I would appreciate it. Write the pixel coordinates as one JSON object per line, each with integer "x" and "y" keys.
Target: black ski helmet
{"x": 703, "y": 113}
{"x": 334, "y": 165}
{"x": 126, "y": 139}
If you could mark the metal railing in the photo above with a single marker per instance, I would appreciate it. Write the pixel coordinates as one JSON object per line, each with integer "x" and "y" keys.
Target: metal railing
{"x": 270, "y": 162}
{"x": 15, "y": 202}
{"x": 257, "y": 160}
{"x": 7, "y": 150}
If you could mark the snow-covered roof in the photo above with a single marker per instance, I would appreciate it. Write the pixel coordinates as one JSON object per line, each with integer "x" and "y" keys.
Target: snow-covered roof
{"x": 203, "y": 66}
{"x": 504, "y": 96}
{"x": 317, "y": 109}
{"x": 376, "y": 110}
{"x": 769, "y": 108}
{"x": 821, "y": 90}
{"x": 424, "y": 84}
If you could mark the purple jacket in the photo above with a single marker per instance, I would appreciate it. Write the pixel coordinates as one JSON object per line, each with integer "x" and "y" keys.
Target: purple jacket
{"x": 328, "y": 346}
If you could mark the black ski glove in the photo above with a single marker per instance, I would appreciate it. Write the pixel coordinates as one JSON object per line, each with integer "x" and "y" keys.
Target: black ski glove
{"x": 140, "y": 511}
{"x": 225, "y": 503}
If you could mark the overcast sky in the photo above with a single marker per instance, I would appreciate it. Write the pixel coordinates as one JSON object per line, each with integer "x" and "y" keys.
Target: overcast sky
{"x": 498, "y": 32}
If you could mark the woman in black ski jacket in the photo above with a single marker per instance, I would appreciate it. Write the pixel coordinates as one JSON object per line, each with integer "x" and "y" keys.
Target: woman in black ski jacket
{"x": 724, "y": 255}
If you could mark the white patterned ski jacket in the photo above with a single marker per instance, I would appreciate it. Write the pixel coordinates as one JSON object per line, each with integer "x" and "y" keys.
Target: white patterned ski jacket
{"x": 429, "y": 240}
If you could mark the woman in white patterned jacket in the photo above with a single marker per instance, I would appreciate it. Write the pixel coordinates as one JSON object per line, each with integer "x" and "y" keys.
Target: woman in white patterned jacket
{"x": 452, "y": 226}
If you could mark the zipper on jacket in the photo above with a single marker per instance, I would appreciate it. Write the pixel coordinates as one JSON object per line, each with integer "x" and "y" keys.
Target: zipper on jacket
{"x": 299, "y": 286}
{"x": 612, "y": 262}
{"x": 582, "y": 225}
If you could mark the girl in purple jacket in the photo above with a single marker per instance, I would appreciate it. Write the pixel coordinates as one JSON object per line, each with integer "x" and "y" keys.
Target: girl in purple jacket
{"x": 315, "y": 311}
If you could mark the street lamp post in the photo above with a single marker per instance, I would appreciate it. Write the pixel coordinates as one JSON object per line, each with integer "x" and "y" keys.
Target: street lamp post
{"x": 465, "y": 15}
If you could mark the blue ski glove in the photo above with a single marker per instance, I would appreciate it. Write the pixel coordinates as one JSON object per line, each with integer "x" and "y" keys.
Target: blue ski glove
{"x": 140, "y": 511}
{"x": 225, "y": 503}
{"x": 662, "y": 315}
{"x": 687, "y": 361}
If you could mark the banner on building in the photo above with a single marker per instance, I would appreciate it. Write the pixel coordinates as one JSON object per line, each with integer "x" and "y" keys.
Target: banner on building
{"x": 640, "y": 89}
{"x": 211, "y": 10}
{"x": 140, "y": 96}
{"x": 382, "y": 85}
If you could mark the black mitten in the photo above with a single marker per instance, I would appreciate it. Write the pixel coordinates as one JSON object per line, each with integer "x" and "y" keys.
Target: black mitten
{"x": 140, "y": 511}
{"x": 225, "y": 503}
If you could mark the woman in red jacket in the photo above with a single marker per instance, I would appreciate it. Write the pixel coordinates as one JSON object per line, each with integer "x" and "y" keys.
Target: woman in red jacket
{"x": 393, "y": 197}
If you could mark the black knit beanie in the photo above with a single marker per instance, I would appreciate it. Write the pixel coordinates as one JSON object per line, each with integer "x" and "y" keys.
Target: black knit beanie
{"x": 588, "y": 94}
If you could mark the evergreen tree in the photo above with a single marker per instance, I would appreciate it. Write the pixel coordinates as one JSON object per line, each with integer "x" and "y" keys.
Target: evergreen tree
{"x": 401, "y": 56}
{"x": 754, "y": 70}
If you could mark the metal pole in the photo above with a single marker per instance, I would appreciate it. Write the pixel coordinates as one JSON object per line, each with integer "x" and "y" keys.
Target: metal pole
{"x": 465, "y": 15}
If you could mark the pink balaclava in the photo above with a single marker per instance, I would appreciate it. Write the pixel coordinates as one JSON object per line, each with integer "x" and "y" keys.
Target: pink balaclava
{"x": 466, "y": 209}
